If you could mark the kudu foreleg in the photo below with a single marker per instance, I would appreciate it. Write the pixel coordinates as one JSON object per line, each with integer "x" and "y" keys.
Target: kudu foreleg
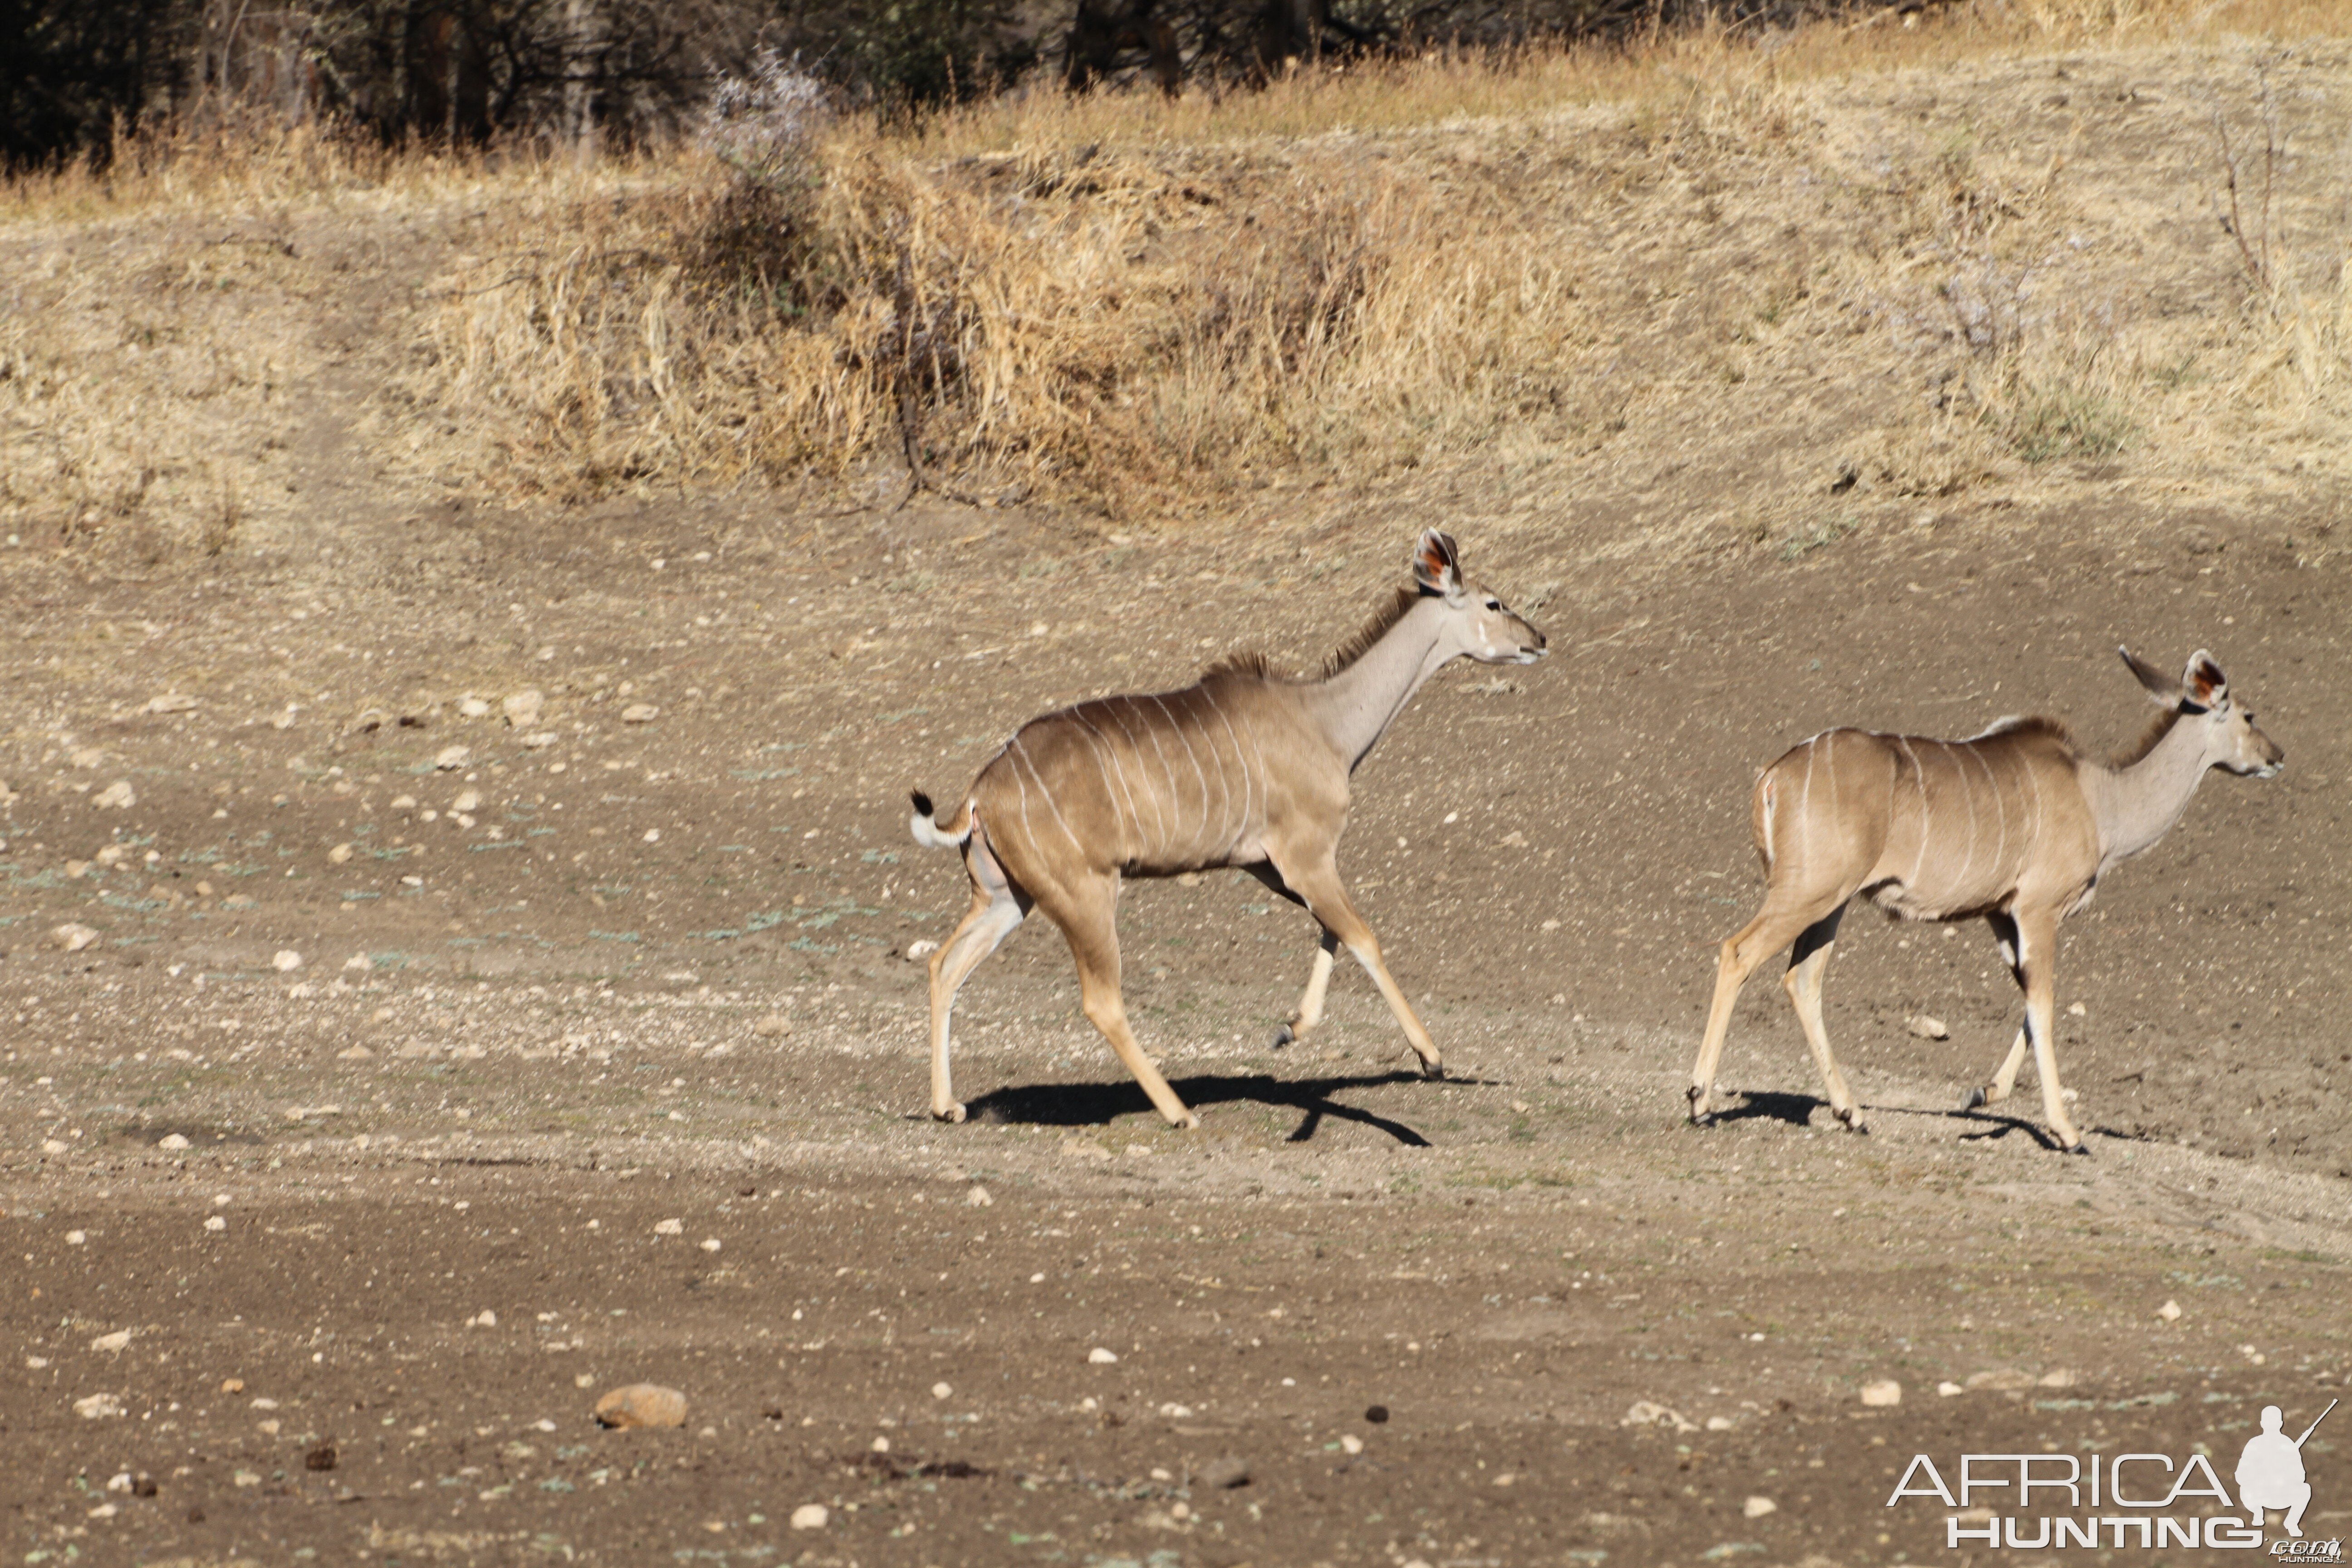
{"x": 1318, "y": 981}
{"x": 2037, "y": 955}
{"x": 2004, "y": 1077}
{"x": 1741, "y": 954}
{"x": 1326, "y": 899}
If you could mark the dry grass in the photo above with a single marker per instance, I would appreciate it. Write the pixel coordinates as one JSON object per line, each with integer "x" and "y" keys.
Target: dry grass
{"x": 1730, "y": 283}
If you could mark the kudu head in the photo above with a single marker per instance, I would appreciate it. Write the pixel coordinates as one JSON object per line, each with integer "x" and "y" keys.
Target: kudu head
{"x": 1478, "y": 623}
{"x": 2201, "y": 697}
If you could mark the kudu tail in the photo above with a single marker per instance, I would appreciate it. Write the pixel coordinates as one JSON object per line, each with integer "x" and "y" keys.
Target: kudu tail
{"x": 933, "y": 835}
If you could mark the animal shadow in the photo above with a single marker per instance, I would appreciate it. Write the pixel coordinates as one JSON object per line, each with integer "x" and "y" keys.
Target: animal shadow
{"x": 1094, "y": 1104}
{"x": 1796, "y": 1109}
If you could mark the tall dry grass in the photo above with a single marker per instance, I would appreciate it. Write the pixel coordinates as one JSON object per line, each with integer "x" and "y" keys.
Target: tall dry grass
{"x": 1599, "y": 260}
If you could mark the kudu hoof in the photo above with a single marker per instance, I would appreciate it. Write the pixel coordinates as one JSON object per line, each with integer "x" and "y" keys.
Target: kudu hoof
{"x": 1853, "y": 1122}
{"x": 1977, "y": 1097}
{"x": 2081, "y": 1149}
{"x": 1282, "y": 1038}
{"x": 1434, "y": 1071}
{"x": 952, "y": 1113}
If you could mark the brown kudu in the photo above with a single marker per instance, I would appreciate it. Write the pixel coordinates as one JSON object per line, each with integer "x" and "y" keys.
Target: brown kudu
{"x": 2014, "y": 826}
{"x": 1244, "y": 769}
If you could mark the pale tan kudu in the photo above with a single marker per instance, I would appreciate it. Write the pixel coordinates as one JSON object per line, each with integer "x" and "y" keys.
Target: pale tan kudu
{"x": 1244, "y": 769}
{"x": 2014, "y": 826}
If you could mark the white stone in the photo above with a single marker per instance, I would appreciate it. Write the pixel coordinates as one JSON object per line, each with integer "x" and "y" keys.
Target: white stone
{"x": 940, "y": 1391}
{"x": 472, "y": 707}
{"x": 881, "y": 1444}
{"x": 810, "y": 1516}
{"x": 286, "y": 961}
{"x": 711, "y": 1244}
{"x": 523, "y": 708}
{"x": 216, "y": 1223}
{"x": 1100, "y": 1356}
{"x": 1175, "y": 1412}
{"x": 922, "y": 949}
{"x": 341, "y": 855}
{"x": 76, "y": 1238}
{"x": 640, "y": 714}
{"x": 540, "y": 740}
{"x": 669, "y": 1227}
{"x": 72, "y": 936}
{"x": 178, "y": 703}
{"x": 449, "y": 759}
{"x": 114, "y": 1342}
{"x": 468, "y": 800}
{"x": 1884, "y": 1392}
{"x": 1948, "y": 1388}
{"x": 175, "y": 1142}
{"x": 1757, "y": 1507}
{"x": 1926, "y": 1027}
{"x": 2170, "y": 1311}
{"x": 1350, "y": 1444}
{"x": 977, "y": 1198}
{"x": 1720, "y": 1424}
{"x": 96, "y": 1405}
{"x": 359, "y": 961}
{"x": 52, "y": 1146}
{"x": 118, "y": 795}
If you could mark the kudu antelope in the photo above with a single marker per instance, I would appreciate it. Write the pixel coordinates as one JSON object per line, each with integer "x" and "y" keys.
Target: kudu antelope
{"x": 2014, "y": 826}
{"x": 1243, "y": 768}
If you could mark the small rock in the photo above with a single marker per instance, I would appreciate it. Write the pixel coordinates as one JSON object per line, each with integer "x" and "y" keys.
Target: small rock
{"x": 176, "y": 703}
{"x": 1720, "y": 1422}
{"x": 76, "y": 1238}
{"x": 1926, "y": 1027}
{"x": 119, "y": 1483}
{"x": 322, "y": 1458}
{"x": 97, "y": 1405}
{"x": 143, "y": 1485}
{"x": 2170, "y": 1311}
{"x": 449, "y": 759}
{"x": 216, "y": 1223}
{"x": 977, "y": 1198}
{"x": 473, "y": 707}
{"x": 1223, "y": 1475}
{"x": 669, "y": 1227}
{"x": 1884, "y": 1392}
{"x": 1757, "y": 1507}
{"x": 1098, "y": 1356}
{"x": 404, "y": 803}
{"x": 351, "y": 1054}
{"x": 1175, "y": 1412}
{"x": 653, "y": 835}
{"x": 642, "y": 713}
{"x": 116, "y": 1341}
{"x": 917, "y": 950}
{"x": 232, "y": 1385}
{"x": 175, "y": 1142}
{"x": 1350, "y": 1444}
{"x": 485, "y": 1319}
{"x": 72, "y": 936}
{"x": 810, "y": 1516}
{"x": 711, "y": 1244}
{"x": 772, "y": 1026}
{"x": 2060, "y": 1378}
{"x": 881, "y": 1444}
{"x": 53, "y": 1146}
{"x": 341, "y": 855}
{"x": 523, "y": 708}
{"x": 1649, "y": 1413}
{"x": 118, "y": 795}
{"x": 1378, "y": 1415}
{"x": 642, "y": 1404}
{"x": 540, "y": 740}
{"x": 940, "y": 1391}
{"x": 468, "y": 800}
{"x": 286, "y": 961}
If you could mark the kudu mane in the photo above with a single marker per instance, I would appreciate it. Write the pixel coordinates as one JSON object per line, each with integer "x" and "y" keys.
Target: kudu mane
{"x": 2158, "y": 729}
{"x": 1386, "y": 616}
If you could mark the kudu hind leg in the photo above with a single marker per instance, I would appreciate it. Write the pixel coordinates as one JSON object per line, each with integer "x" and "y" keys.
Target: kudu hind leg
{"x": 1089, "y": 920}
{"x": 997, "y": 908}
{"x": 1742, "y": 954}
{"x": 1807, "y": 965}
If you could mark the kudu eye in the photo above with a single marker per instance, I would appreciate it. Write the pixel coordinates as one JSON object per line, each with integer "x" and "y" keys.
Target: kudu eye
{"x": 1494, "y": 604}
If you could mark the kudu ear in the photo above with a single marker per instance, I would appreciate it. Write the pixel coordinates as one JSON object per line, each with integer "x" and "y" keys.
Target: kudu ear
{"x": 2166, "y": 690}
{"x": 2204, "y": 682}
{"x": 1437, "y": 564}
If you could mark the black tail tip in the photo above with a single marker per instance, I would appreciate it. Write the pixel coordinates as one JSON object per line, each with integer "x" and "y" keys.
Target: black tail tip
{"x": 922, "y": 802}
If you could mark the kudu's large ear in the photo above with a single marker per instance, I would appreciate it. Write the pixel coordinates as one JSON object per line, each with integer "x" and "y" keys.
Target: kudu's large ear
{"x": 1437, "y": 564}
{"x": 2206, "y": 685}
{"x": 2161, "y": 687}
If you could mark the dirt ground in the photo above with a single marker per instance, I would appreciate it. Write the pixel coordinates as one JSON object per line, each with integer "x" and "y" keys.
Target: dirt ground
{"x": 381, "y": 1223}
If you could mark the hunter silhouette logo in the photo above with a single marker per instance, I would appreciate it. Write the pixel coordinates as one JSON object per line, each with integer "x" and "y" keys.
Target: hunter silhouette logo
{"x": 2269, "y": 1471}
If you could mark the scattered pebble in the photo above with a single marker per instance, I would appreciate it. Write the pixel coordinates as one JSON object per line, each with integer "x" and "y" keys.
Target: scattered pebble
{"x": 173, "y": 1141}
{"x": 115, "y": 1341}
{"x": 523, "y": 708}
{"x": 1720, "y": 1422}
{"x": 52, "y": 1146}
{"x": 881, "y": 1444}
{"x": 468, "y": 800}
{"x": 711, "y": 1244}
{"x": 642, "y": 1404}
{"x": 76, "y": 1238}
{"x": 645, "y": 713}
{"x": 653, "y": 835}
{"x": 1225, "y": 1474}
{"x": 485, "y": 1319}
{"x": 2170, "y": 1311}
{"x": 1884, "y": 1392}
{"x": 772, "y": 1026}
{"x": 1926, "y": 1027}
{"x": 977, "y": 1198}
{"x": 1350, "y": 1444}
{"x": 1175, "y": 1412}
{"x": 810, "y": 1516}
{"x": 1649, "y": 1413}
{"x": 940, "y": 1391}
{"x": 1757, "y": 1507}
{"x": 97, "y": 1405}
{"x": 1948, "y": 1388}
{"x": 72, "y": 936}
{"x": 917, "y": 950}
{"x": 286, "y": 961}
{"x": 669, "y": 1227}
{"x": 118, "y": 795}
{"x": 2061, "y": 1377}
{"x": 451, "y": 758}
{"x": 216, "y": 1223}
{"x": 177, "y": 702}
{"x": 341, "y": 855}
{"x": 1102, "y": 1357}
{"x": 473, "y": 707}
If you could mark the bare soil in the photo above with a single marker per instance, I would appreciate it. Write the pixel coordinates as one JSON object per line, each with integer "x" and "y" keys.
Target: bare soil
{"x": 655, "y": 972}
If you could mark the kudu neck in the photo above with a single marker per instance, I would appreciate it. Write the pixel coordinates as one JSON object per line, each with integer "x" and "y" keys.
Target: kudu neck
{"x": 1355, "y": 707}
{"x": 2136, "y": 806}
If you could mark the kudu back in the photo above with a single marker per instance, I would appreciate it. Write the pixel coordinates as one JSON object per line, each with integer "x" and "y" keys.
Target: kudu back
{"x": 1243, "y": 768}
{"x": 2014, "y": 826}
